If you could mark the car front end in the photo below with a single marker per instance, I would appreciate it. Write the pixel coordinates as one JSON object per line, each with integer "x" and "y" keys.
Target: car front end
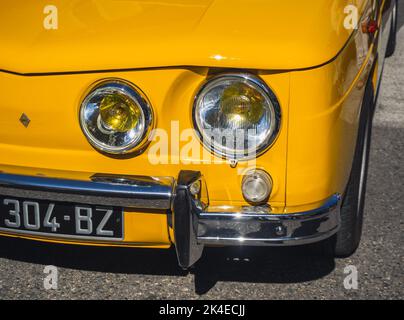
{"x": 113, "y": 143}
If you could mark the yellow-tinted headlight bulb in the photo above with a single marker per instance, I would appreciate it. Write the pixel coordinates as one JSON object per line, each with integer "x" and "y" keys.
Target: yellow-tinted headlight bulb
{"x": 118, "y": 113}
{"x": 242, "y": 105}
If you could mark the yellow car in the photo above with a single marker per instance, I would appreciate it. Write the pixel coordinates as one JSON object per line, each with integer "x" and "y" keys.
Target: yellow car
{"x": 191, "y": 123}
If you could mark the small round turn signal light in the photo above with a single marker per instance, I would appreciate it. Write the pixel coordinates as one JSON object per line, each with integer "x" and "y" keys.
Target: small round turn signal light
{"x": 257, "y": 186}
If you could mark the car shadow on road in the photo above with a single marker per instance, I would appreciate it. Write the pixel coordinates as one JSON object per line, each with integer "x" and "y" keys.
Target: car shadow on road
{"x": 255, "y": 265}
{"x": 261, "y": 265}
{"x": 119, "y": 260}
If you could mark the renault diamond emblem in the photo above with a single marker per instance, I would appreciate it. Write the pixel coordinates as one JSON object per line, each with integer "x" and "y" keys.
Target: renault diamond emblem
{"x": 25, "y": 120}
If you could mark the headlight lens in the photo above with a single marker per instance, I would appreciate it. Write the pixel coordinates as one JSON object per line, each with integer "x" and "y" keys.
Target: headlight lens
{"x": 119, "y": 113}
{"x": 116, "y": 117}
{"x": 237, "y": 116}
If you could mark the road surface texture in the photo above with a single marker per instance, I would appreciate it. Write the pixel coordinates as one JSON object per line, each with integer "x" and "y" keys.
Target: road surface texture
{"x": 264, "y": 273}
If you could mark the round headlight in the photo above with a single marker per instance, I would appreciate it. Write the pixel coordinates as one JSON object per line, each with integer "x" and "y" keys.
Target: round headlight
{"x": 236, "y": 115}
{"x": 116, "y": 117}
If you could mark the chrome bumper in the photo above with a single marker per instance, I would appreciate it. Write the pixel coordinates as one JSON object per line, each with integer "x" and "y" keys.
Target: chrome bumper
{"x": 195, "y": 224}
{"x": 123, "y": 191}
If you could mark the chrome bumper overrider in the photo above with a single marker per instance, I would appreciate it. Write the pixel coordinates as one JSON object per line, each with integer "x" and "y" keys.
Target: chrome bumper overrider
{"x": 195, "y": 223}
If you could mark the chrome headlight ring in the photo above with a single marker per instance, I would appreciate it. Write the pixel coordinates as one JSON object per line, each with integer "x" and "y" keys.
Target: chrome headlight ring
{"x": 269, "y": 129}
{"x": 104, "y": 138}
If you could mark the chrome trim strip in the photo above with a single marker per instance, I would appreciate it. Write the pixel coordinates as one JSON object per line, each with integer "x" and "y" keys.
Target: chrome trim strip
{"x": 265, "y": 212}
{"x": 262, "y": 229}
{"x": 128, "y": 191}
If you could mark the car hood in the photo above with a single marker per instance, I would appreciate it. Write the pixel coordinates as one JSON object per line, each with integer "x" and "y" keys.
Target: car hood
{"x": 110, "y": 35}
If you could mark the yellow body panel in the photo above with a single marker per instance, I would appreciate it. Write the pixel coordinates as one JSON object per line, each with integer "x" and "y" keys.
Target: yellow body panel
{"x": 54, "y": 145}
{"x": 54, "y": 140}
{"x": 320, "y": 104}
{"x": 323, "y": 127}
{"x": 253, "y": 34}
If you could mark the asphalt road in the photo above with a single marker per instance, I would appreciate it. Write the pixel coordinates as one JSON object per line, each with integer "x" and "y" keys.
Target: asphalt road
{"x": 265, "y": 273}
